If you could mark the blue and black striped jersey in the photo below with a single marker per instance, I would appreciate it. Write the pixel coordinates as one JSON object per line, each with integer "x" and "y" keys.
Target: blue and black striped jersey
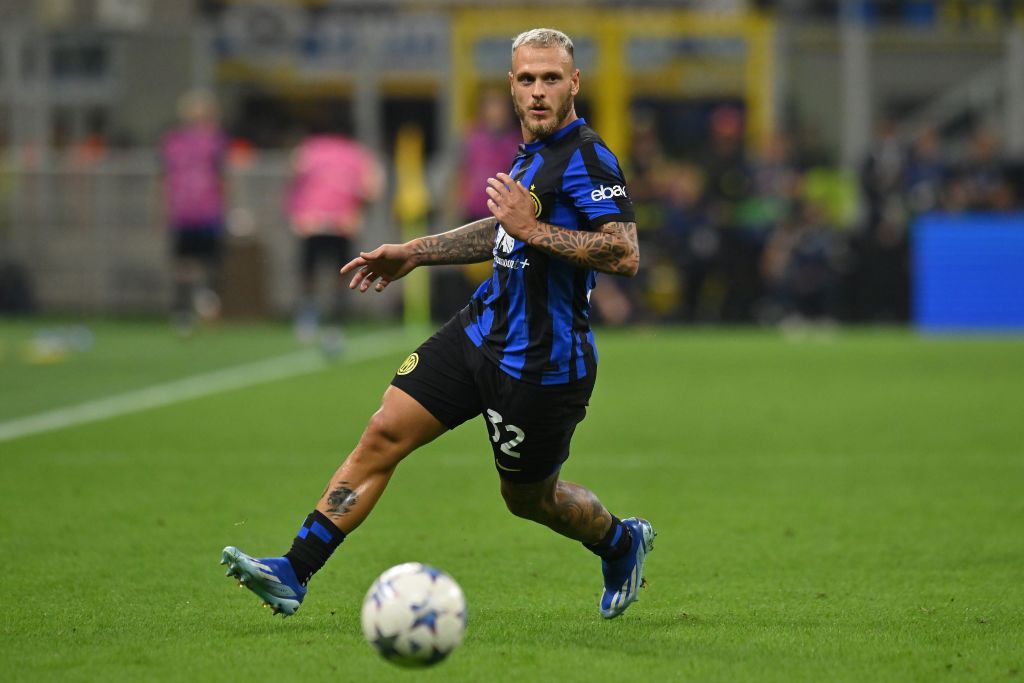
{"x": 531, "y": 317}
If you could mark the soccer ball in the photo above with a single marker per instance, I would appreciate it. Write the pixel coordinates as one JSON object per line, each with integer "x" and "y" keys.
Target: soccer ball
{"x": 414, "y": 615}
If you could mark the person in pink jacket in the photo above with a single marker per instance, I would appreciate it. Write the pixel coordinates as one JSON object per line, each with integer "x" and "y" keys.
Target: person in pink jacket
{"x": 193, "y": 156}
{"x": 333, "y": 180}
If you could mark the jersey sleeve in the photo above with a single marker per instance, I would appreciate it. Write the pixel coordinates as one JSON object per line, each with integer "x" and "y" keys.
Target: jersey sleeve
{"x": 594, "y": 181}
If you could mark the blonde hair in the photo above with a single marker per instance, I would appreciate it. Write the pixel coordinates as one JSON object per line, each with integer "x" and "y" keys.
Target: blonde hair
{"x": 543, "y": 37}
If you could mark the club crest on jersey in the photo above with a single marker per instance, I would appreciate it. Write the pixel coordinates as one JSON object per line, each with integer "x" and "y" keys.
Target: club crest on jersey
{"x": 409, "y": 364}
{"x": 536, "y": 201}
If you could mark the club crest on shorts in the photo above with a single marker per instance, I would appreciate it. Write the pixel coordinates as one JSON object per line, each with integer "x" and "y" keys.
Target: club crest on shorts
{"x": 409, "y": 364}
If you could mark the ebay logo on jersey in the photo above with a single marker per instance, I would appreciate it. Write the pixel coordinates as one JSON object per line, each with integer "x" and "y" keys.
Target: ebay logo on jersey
{"x": 608, "y": 192}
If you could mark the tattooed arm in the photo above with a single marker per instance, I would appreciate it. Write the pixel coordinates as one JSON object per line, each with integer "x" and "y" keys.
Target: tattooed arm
{"x": 471, "y": 243}
{"x": 612, "y": 249}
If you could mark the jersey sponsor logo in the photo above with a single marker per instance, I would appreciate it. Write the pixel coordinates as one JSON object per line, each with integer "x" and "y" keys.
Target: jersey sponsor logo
{"x": 510, "y": 263}
{"x": 605, "y": 192}
{"x": 504, "y": 241}
{"x": 409, "y": 364}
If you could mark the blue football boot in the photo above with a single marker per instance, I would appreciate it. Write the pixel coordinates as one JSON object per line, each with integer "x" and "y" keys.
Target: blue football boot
{"x": 271, "y": 578}
{"x": 624, "y": 577}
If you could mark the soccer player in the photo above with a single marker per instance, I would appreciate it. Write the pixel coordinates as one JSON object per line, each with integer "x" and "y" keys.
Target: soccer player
{"x": 521, "y": 354}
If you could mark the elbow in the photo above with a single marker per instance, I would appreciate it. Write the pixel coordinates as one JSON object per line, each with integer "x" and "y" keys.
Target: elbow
{"x": 629, "y": 266}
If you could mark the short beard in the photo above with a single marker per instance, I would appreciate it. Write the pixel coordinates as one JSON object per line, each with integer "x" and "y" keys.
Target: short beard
{"x": 541, "y": 130}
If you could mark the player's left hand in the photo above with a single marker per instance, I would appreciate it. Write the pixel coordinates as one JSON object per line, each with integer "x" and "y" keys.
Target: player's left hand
{"x": 511, "y": 204}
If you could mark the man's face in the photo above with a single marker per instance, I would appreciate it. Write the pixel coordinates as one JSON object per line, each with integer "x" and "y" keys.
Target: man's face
{"x": 544, "y": 82}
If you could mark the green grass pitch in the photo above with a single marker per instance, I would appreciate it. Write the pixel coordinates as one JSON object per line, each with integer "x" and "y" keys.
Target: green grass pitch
{"x": 842, "y": 508}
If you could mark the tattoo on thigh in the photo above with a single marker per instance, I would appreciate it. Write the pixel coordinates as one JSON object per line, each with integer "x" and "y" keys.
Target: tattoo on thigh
{"x": 341, "y": 500}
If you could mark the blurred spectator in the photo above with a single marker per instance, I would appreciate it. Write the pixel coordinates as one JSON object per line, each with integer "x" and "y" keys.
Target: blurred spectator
{"x": 93, "y": 147}
{"x": 774, "y": 184}
{"x": 647, "y": 162}
{"x": 690, "y": 239}
{"x": 775, "y": 179}
{"x": 881, "y": 281}
{"x": 16, "y": 292}
{"x": 883, "y": 174}
{"x": 491, "y": 144}
{"x": 729, "y": 186}
{"x": 333, "y": 180}
{"x": 802, "y": 267}
{"x": 925, "y": 173}
{"x": 725, "y": 164}
{"x": 616, "y": 300}
{"x": 489, "y": 147}
{"x": 983, "y": 179}
{"x": 740, "y": 236}
{"x": 192, "y": 158}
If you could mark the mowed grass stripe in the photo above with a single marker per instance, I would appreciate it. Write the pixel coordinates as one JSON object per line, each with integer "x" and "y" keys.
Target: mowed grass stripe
{"x": 197, "y": 386}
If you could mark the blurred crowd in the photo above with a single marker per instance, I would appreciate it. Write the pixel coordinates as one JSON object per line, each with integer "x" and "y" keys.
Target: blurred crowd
{"x": 730, "y": 233}
{"x": 779, "y": 235}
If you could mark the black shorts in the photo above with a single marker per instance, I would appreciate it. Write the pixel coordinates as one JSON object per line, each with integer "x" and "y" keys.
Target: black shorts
{"x": 529, "y": 425}
{"x": 334, "y": 249}
{"x": 205, "y": 243}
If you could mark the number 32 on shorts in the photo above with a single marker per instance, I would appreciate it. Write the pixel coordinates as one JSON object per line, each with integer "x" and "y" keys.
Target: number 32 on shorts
{"x": 517, "y": 434}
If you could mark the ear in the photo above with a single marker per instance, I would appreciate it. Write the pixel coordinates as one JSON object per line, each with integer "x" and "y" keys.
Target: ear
{"x": 575, "y": 82}
{"x": 511, "y": 83}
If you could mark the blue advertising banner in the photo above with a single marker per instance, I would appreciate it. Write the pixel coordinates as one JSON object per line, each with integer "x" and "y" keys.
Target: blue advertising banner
{"x": 968, "y": 272}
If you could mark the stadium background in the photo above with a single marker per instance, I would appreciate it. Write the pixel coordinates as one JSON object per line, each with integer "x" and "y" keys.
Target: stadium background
{"x": 853, "y": 120}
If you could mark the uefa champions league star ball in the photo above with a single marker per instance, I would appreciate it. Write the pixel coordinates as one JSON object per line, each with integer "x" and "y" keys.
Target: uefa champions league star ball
{"x": 414, "y": 615}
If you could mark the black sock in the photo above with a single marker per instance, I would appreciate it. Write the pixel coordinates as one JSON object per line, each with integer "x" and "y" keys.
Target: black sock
{"x": 314, "y": 543}
{"x": 615, "y": 543}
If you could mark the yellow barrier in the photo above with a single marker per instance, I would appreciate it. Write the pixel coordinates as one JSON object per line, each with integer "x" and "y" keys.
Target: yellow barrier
{"x": 412, "y": 201}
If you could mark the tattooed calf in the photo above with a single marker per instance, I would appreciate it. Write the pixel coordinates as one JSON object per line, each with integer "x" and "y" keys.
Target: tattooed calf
{"x": 341, "y": 500}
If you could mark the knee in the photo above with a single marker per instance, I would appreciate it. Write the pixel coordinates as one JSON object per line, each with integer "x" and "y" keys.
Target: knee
{"x": 527, "y": 507}
{"x": 382, "y": 443}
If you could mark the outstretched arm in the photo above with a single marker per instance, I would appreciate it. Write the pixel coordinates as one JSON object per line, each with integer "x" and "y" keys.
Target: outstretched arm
{"x": 612, "y": 249}
{"x": 470, "y": 243}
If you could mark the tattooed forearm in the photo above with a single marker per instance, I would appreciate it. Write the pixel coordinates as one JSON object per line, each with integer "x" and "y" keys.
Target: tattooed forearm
{"x": 472, "y": 243}
{"x": 340, "y": 500}
{"x": 613, "y": 249}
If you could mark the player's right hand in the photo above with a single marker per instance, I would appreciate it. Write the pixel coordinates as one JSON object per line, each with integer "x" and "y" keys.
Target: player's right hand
{"x": 383, "y": 265}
